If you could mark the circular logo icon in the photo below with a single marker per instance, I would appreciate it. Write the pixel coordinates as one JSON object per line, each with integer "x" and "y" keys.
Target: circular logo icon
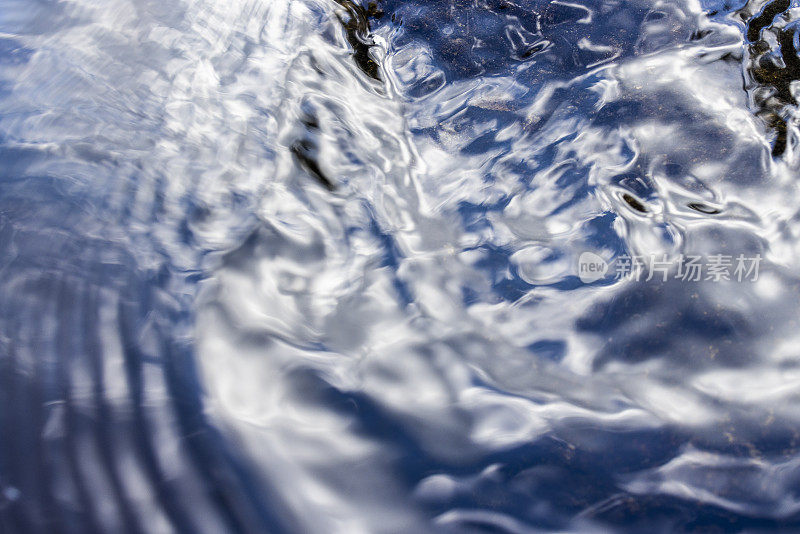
{"x": 591, "y": 267}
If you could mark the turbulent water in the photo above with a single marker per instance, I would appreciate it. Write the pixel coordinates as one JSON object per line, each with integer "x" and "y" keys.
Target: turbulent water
{"x": 312, "y": 266}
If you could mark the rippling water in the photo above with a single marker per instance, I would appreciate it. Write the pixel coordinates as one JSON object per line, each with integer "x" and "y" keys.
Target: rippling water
{"x": 311, "y": 266}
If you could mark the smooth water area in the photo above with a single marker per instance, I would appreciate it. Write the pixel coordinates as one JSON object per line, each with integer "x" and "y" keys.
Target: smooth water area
{"x": 312, "y": 266}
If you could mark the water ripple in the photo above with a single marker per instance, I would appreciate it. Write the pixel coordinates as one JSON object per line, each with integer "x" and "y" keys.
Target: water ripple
{"x": 311, "y": 266}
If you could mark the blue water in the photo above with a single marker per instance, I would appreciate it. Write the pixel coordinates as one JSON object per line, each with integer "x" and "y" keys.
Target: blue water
{"x": 314, "y": 266}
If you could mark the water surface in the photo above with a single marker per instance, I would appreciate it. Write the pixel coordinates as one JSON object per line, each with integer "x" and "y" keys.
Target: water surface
{"x": 310, "y": 266}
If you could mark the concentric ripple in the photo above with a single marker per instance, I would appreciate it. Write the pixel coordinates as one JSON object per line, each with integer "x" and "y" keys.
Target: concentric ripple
{"x": 310, "y": 266}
